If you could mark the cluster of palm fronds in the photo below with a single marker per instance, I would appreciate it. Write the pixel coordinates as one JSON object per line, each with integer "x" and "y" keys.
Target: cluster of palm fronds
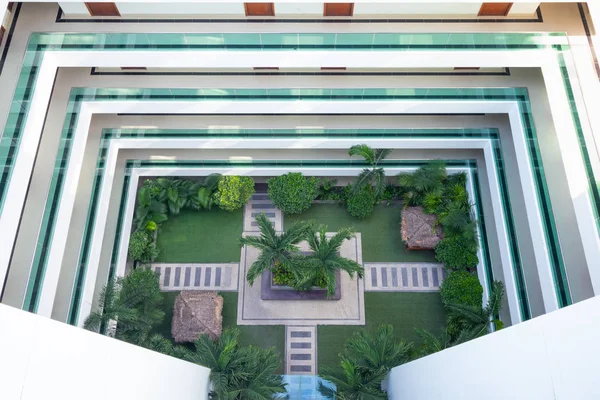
{"x": 281, "y": 252}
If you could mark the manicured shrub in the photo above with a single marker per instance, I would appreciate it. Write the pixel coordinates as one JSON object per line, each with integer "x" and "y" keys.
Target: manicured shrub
{"x": 457, "y": 253}
{"x": 234, "y": 191}
{"x": 461, "y": 287}
{"x": 360, "y": 204}
{"x": 142, "y": 247}
{"x": 293, "y": 193}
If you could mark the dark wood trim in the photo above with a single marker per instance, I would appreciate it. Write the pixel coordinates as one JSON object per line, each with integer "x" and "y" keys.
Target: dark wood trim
{"x": 467, "y": 68}
{"x": 10, "y": 6}
{"x": 334, "y": 14}
{"x": 115, "y": 10}
{"x": 134, "y": 68}
{"x": 333, "y": 68}
{"x": 266, "y": 68}
{"x": 269, "y": 14}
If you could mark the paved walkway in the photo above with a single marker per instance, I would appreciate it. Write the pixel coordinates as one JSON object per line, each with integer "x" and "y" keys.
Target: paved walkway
{"x": 197, "y": 276}
{"x": 301, "y": 350}
{"x": 260, "y": 203}
{"x": 403, "y": 277}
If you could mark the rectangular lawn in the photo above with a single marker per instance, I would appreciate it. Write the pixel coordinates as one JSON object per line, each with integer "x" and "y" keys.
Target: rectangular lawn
{"x": 403, "y": 310}
{"x": 380, "y": 231}
{"x": 206, "y": 236}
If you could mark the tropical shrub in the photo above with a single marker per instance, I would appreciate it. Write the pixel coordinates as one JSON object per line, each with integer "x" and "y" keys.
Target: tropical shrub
{"x": 457, "y": 253}
{"x": 461, "y": 287}
{"x": 360, "y": 204}
{"x": 428, "y": 181}
{"x": 328, "y": 190}
{"x": 142, "y": 247}
{"x": 374, "y": 176}
{"x": 477, "y": 319}
{"x": 238, "y": 373}
{"x": 293, "y": 193}
{"x": 234, "y": 191}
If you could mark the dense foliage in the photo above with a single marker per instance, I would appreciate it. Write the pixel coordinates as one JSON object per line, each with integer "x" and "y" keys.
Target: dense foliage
{"x": 360, "y": 203}
{"x": 374, "y": 175}
{"x": 461, "y": 287}
{"x": 234, "y": 191}
{"x": 141, "y": 247}
{"x": 457, "y": 253}
{"x": 293, "y": 193}
{"x": 236, "y": 372}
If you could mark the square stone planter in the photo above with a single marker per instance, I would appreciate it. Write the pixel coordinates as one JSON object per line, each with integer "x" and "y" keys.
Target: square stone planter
{"x": 271, "y": 291}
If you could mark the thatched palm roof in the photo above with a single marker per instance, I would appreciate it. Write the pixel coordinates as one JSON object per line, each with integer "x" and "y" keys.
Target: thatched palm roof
{"x": 197, "y": 312}
{"x": 420, "y": 231}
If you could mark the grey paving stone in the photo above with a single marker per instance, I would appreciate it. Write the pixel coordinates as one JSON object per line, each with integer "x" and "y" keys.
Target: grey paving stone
{"x": 300, "y": 357}
{"x": 268, "y": 214}
{"x": 207, "y": 274}
{"x": 404, "y": 277}
{"x": 218, "y": 276}
{"x": 425, "y": 277}
{"x": 374, "y": 277}
{"x": 188, "y": 276}
{"x": 415, "y": 277}
{"x": 300, "y": 334}
{"x": 301, "y": 368}
{"x": 260, "y": 196}
{"x": 394, "y": 276}
{"x": 384, "y": 277}
{"x": 434, "y": 275}
{"x": 300, "y": 345}
{"x": 197, "y": 276}
{"x": 167, "y": 277}
{"x": 227, "y": 278}
{"x": 177, "y": 276}
{"x": 262, "y": 206}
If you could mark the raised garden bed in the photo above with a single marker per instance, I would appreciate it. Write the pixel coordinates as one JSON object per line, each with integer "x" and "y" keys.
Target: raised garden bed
{"x": 271, "y": 291}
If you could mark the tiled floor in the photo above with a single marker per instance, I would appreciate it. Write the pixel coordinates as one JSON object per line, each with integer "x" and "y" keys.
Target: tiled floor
{"x": 403, "y": 277}
{"x": 197, "y": 276}
{"x": 260, "y": 203}
{"x": 300, "y": 350}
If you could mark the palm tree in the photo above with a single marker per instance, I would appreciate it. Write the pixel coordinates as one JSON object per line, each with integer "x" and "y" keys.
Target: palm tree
{"x": 109, "y": 309}
{"x": 275, "y": 250}
{"x": 325, "y": 260}
{"x": 238, "y": 373}
{"x": 480, "y": 320}
{"x": 433, "y": 344}
{"x": 375, "y": 175}
{"x": 377, "y": 351}
{"x": 351, "y": 383}
{"x": 425, "y": 185}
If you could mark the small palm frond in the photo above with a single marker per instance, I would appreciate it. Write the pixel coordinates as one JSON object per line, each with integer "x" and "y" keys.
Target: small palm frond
{"x": 379, "y": 182}
{"x": 380, "y": 155}
{"x": 363, "y": 151}
{"x": 363, "y": 179}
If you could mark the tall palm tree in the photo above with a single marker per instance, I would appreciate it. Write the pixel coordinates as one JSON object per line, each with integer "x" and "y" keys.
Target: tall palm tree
{"x": 238, "y": 373}
{"x": 325, "y": 259}
{"x": 275, "y": 250}
{"x": 480, "y": 320}
{"x": 351, "y": 383}
{"x": 109, "y": 309}
{"x": 375, "y": 175}
{"x": 377, "y": 351}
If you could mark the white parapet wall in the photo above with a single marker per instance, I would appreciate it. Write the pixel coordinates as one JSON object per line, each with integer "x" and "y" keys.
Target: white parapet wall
{"x": 554, "y": 356}
{"x": 45, "y": 359}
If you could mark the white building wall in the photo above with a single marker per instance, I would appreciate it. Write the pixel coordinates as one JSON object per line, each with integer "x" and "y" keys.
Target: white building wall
{"x": 554, "y": 356}
{"x": 44, "y": 359}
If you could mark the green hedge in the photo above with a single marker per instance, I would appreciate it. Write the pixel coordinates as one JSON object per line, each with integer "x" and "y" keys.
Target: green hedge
{"x": 461, "y": 287}
{"x": 457, "y": 252}
{"x": 142, "y": 247}
{"x": 360, "y": 205}
{"x": 293, "y": 193}
{"x": 234, "y": 191}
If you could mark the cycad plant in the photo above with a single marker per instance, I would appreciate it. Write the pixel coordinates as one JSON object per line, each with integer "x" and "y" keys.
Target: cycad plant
{"x": 374, "y": 175}
{"x": 377, "y": 351}
{"x": 275, "y": 250}
{"x": 351, "y": 383}
{"x": 479, "y": 320}
{"x": 425, "y": 186}
{"x": 324, "y": 260}
{"x": 446, "y": 339}
{"x": 110, "y": 308}
{"x": 238, "y": 372}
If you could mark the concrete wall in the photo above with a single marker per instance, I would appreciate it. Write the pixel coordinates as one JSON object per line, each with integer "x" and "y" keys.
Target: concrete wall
{"x": 554, "y": 356}
{"x": 45, "y": 359}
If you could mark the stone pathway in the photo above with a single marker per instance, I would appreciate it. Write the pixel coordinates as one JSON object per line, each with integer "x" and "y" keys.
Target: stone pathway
{"x": 222, "y": 277}
{"x": 403, "y": 277}
{"x": 301, "y": 350}
{"x": 260, "y": 203}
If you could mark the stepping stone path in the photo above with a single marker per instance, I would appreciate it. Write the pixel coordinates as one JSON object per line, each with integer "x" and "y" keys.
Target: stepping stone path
{"x": 403, "y": 277}
{"x": 300, "y": 350}
{"x": 197, "y": 276}
{"x": 261, "y": 203}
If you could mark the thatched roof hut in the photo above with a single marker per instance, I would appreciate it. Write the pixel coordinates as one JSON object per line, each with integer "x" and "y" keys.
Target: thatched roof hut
{"x": 419, "y": 230}
{"x": 197, "y": 312}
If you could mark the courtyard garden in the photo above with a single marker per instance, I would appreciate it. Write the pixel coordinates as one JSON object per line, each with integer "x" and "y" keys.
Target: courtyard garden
{"x": 318, "y": 272}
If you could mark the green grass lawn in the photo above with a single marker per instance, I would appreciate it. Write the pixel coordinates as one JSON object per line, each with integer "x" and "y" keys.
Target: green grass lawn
{"x": 201, "y": 237}
{"x": 381, "y": 240}
{"x": 405, "y": 311}
{"x": 258, "y": 335}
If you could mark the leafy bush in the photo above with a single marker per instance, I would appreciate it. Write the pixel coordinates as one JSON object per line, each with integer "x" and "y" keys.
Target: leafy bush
{"x": 428, "y": 180}
{"x": 142, "y": 247}
{"x": 361, "y": 203}
{"x": 293, "y": 193}
{"x": 234, "y": 191}
{"x": 457, "y": 252}
{"x": 461, "y": 287}
{"x": 328, "y": 190}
